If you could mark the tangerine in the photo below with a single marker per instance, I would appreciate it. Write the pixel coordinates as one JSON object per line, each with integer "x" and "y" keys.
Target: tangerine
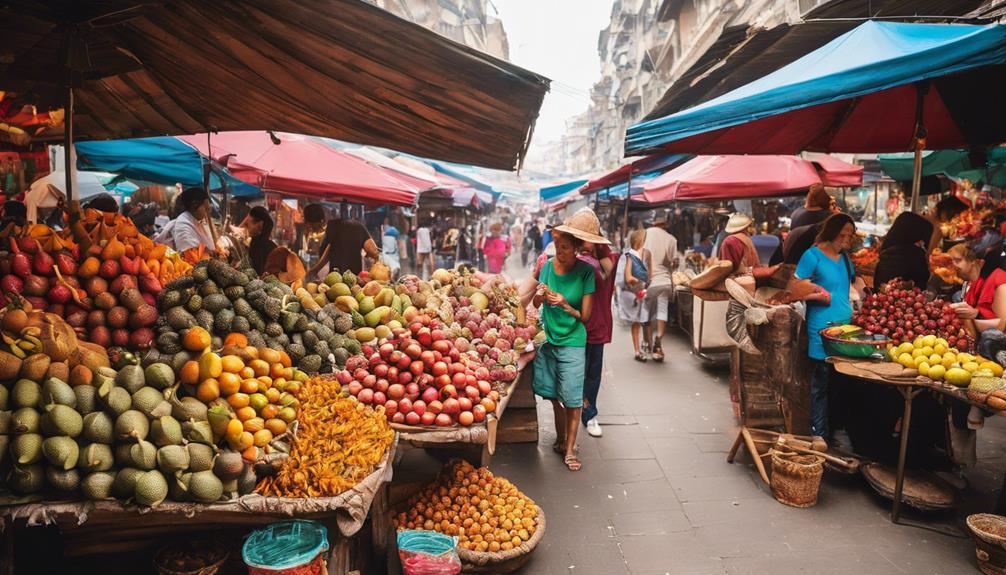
{"x": 190, "y": 373}
{"x": 229, "y": 383}
{"x": 236, "y": 339}
{"x": 232, "y": 363}
{"x": 196, "y": 339}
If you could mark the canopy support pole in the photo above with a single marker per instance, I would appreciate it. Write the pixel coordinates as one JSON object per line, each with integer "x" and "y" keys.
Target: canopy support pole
{"x": 71, "y": 193}
{"x": 206, "y": 186}
{"x": 918, "y": 142}
{"x": 625, "y": 214}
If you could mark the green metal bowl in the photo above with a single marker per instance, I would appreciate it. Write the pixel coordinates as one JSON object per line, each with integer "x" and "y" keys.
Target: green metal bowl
{"x": 859, "y": 348}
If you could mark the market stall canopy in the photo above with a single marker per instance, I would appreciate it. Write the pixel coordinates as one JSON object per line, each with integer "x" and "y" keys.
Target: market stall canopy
{"x": 431, "y": 177}
{"x": 48, "y": 191}
{"x": 649, "y": 164}
{"x": 338, "y": 68}
{"x": 989, "y": 166}
{"x": 302, "y": 166}
{"x": 858, "y": 93}
{"x": 708, "y": 178}
{"x": 161, "y": 160}
{"x": 552, "y": 193}
{"x": 835, "y": 172}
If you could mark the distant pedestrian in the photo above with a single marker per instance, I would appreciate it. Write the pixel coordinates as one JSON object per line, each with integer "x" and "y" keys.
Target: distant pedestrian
{"x": 391, "y": 252}
{"x": 532, "y": 242}
{"x": 495, "y": 248}
{"x": 604, "y": 261}
{"x": 517, "y": 238}
{"x": 663, "y": 250}
{"x": 566, "y": 287}
{"x": 424, "y": 251}
{"x": 633, "y": 276}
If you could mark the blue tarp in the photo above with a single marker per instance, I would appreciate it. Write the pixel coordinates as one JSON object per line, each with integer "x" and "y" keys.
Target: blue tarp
{"x": 638, "y": 180}
{"x": 552, "y": 193}
{"x": 805, "y": 104}
{"x": 159, "y": 160}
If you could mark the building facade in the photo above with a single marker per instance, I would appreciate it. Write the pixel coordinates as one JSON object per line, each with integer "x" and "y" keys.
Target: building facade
{"x": 647, "y": 46}
{"x": 469, "y": 22}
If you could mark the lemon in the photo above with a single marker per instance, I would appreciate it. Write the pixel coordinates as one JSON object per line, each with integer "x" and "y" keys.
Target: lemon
{"x": 923, "y": 368}
{"x": 893, "y": 353}
{"x": 937, "y": 372}
{"x": 941, "y": 341}
{"x": 917, "y": 342}
{"x": 940, "y": 348}
{"x": 965, "y": 357}
{"x": 957, "y": 376}
{"x": 929, "y": 340}
{"x": 970, "y": 366}
{"x": 906, "y": 360}
{"x": 928, "y": 350}
{"x": 995, "y": 368}
{"x": 935, "y": 359}
{"x": 919, "y": 352}
{"x": 905, "y": 348}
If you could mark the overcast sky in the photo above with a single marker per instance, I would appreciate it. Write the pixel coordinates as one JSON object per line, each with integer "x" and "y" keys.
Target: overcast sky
{"x": 558, "y": 39}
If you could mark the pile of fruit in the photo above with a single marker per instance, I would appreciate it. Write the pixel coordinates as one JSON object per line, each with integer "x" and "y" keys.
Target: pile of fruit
{"x": 865, "y": 259}
{"x": 339, "y": 442}
{"x": 966, "y": 225}
{"x": 373, "y": 307}
{"x": 485, "y": 513}
{"x": 943, "y": 267}
{"x": 224, "y": 300}
{"x": 105, "y": 286}
{"x": 902, "y": 313}
{"x": 988, "y": 388}
{"x": 936, "y": 359}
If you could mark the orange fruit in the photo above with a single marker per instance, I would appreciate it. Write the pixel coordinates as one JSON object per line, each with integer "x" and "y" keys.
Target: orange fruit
{"x": 269, "y": 411}
{"x": 246, "y": 372}
{"x": 285, "y": 359}
{"x": 276, "y": 426}
{"x": 238, "y": 339}
{"x": 287, "y": 414}
{"x": 254, "y": 424}
{"x": 250, "y": 453}
{"x": 234, "y": 429}
{"x": 277, "y": 370}
{"x": 249, "y": 386}
{"x": 190, "y": 373}
{"x": 208, "y": 390}
{"x": 261, "y": 367}
{"x": 268, "y": 355}
{"x": 272, "y": 394}
{"x": 245, "y": 413}
{"x": 232, "y": 363}
{"x": 210, "y": 366}
{"x": 257, "y": 401}
{"x": 262, "y": 437}
{"x": 244, "y": 441}
{"x": 265, "y": 383}
{"x": 238, "y": 400}
{"x": 196, "y": 339}
{"x": 229, "y": 383}
{"x": 252, "y": 352}
{"x": 489, "y": 404}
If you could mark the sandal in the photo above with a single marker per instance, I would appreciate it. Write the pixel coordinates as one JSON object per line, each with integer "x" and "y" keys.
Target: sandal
{"x": 572, "y": 462}
{"x": 658, "y": 353}
{"x": 641, "y": 357}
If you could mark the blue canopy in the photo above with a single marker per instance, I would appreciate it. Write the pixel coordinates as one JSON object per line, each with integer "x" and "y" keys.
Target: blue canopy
{"x": 160, "y": 160}
{"x": 858, "y": 93}
{"x": 638, "y": 181}
{"x": 552, "y": 193}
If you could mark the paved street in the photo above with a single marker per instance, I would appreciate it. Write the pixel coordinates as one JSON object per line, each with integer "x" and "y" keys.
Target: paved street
{"x": 656, "y": 495}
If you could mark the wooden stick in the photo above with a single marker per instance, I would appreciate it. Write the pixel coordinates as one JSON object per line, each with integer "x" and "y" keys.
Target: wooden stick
{"x": 736, "y": 446}
{"x": 749, "y": 441}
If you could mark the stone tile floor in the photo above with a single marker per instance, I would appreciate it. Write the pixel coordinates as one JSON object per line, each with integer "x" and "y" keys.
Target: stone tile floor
{"x": 657, "y": 496}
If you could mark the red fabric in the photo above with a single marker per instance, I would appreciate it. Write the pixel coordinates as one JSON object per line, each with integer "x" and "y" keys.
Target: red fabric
{"x": 728, "y": 177}
{"x": 982, "y": 292}
{"x": 836, "y": 173}
{"x": 303, "y": 166}
{"x": 734, "y": 250}
{"x": 600, "y": 322}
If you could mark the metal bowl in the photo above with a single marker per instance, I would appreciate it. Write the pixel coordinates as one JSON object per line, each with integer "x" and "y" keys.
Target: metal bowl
{"x": 860, "y": 348}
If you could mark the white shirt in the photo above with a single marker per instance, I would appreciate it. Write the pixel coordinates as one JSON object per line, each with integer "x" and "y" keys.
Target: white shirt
{"x": 663, "y": 248}
{"x": 187, "y": 232}
{"x": 424, "y": 243}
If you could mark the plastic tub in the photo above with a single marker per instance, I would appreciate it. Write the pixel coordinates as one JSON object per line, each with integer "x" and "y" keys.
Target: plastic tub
{"x": 287, "y": 548}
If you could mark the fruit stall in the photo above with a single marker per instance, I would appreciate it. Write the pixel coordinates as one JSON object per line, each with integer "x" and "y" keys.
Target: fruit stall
{"x": 147, "y": 393}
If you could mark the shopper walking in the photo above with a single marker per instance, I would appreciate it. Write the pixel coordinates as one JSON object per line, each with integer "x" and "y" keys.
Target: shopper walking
{"x": 391, "y": 252}
{"x": 495, "y": 248}
{"x": 604, "y": 261}
{"x": 663, "y": 250}
{"x": 566, "y": 287}
{"x": 424, "y": 251}
{"x": 633, "y": 275}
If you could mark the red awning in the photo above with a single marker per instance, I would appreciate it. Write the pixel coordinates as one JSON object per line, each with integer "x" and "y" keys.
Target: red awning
{"x": 303, "y": 166}
{"x": 710, "y": 178}
{"x": 835, "y": 172}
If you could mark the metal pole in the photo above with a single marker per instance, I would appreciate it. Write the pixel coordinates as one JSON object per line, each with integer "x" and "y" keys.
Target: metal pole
{"x": 625, "y": 214}
{"x": 206, "y": 187}
{"x": 918, "y": 142}
{"x": 71, "y": 196}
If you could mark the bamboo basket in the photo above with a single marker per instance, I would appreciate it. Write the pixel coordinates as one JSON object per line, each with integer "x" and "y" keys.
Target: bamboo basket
{"x": 796, "y": 478}
{"x": 989, "y": 533}
{"x": 502, "y": 561}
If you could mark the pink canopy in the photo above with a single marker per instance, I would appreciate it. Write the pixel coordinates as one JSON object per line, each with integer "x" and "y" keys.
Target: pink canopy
{"x": 303, "y": 166}
{"x": 710, "y": 178}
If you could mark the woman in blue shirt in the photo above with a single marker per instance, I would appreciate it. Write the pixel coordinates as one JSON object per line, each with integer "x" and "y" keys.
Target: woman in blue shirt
{"x": 828, "y": 267}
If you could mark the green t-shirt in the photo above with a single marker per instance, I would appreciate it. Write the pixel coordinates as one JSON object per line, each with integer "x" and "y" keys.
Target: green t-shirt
{"x": 562, "y": 329}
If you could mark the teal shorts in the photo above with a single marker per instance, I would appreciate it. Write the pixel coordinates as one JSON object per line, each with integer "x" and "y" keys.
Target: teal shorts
{"x": 558, "y": 374}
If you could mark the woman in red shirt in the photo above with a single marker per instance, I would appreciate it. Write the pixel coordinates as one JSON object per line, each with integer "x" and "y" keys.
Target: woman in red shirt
{"x": 985, "y": 295}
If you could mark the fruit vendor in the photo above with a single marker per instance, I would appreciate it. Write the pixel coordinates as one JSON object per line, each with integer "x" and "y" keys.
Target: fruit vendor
{"x": 258, "y": 224}
{"x": 566, "y": 287}
{"x": 984, "y": 304}
{"x": 343, "y": 242}
{"x": 904, "y": 253}
{"x": 828, "y": 267}
{"x": 739, "y": 250}
{"x": 189, "y": 229}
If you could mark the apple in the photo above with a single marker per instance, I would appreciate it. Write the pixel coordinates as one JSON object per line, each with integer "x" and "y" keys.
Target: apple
{"x": 405, "y": 405}
{"x": 465, "y": 418}
{"x": 366, "y": 396}
{"x": 419, "y": 406}
{"x": 484, "y": 387}
{"x": 413, "y": 351}
{"x": 448, "y": 391}
{"x": 390, "y": 406}
{"x": 459, "y": 367}
{"x": 369, "y": 381}
{"x": 428, "y": 418}
{"x": 404, "y": 377}
{"x": 443, "y": 420}
{"x": 435, "y": 406}
{"x": 472, "y": 392}
{"x": 412, "y": 418}
{"x": 439, "y": 368}
{"x": 451, "y": 406}
{"x": 412, "y": 390}
{"x": 465, "y": 403}
{"x": 354, "y": 387}
{"x": 360, "y": 374}
{"x": 381, "y": 370}
{"x": 415, "y": 326}
{"x": 438, "y": 334}
{"x": 459, "y": 379}
{"x": 387, "y": 349}
{"x": 397, "y": 418}
{"x": 417, "y": 367}
{"x": 430, "y": 394}
{"x": 380, "y": 398}
{"x": 396, "y": 391}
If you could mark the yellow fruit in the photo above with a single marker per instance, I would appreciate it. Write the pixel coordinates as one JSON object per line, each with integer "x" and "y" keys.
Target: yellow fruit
{"x": 948, "y": 361}
{"x": 928, "y": 350}
{"x": 905, "y": 348}
{"x": 906, "y": 360}
{"x": 935, "y": 359}
{"x": 893, "y": 353}
{"x": 940, "y": 348}
{"x": 929, "y": 340}
{"x": 995, "y": 368}
{"x": 210, "y": 366}
{"x": 941, "y": 341}
{"x": 923, "y": 368}
{"x": 919, "y": 352}
{"x": 965, "y": 358}
{"x": 917, "y": 342}
{"x": 957, "y": 376}
{"x": 970, "y": 366}
{"x": 937, "y": 372}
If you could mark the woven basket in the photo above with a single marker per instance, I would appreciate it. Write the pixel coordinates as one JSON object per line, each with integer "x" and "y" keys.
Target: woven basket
{"x": 796, "y": 478}
{"x": 216, "y": 556}
{"x": 989, "y": 533}
{"x": 502, "y": 561}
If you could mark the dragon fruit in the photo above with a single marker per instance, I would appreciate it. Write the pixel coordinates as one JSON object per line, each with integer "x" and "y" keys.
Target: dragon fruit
{"x": 506, "y": 358}
{"x": 496, "y": 374}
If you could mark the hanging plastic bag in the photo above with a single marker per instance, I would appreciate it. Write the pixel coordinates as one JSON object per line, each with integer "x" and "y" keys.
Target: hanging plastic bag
{"x": 428, "y": 553}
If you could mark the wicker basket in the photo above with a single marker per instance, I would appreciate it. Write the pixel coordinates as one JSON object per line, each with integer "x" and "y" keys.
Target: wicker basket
{"x": 796, "y": 478}
{"x": 989, "y": 533}
{"x": 215, "y": 553}
{"x": 502, "y": 561}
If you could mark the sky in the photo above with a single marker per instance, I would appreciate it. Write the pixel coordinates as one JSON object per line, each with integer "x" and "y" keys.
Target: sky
{"x": 557, "y": 39}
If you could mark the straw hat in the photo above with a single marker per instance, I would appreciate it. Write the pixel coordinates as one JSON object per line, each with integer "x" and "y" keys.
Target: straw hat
{"x": 738, "y": 222}
{"x": 583, "y": 225}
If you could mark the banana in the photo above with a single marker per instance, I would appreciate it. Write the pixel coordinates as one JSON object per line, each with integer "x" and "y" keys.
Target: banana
{"x": 8, "y": 339}
{"x": 17, "y": 351}
{"x": 32, "y": 331}
{"x": 36, "y": 343}
{"x": 26, "y": 345}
